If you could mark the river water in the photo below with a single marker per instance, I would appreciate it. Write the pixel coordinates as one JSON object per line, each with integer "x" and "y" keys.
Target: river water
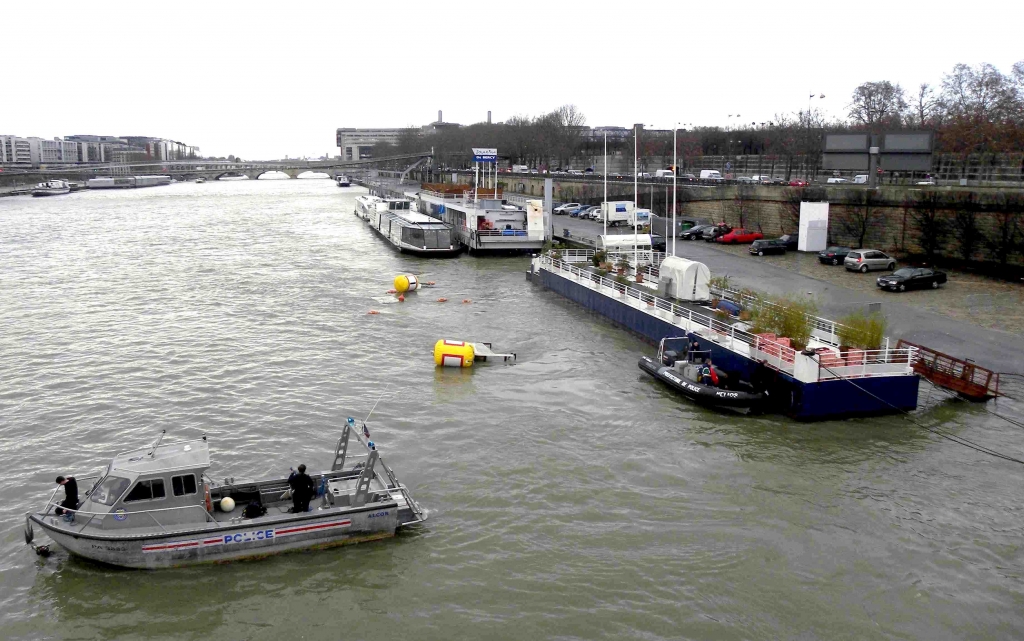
{"x": 569, "y": 496}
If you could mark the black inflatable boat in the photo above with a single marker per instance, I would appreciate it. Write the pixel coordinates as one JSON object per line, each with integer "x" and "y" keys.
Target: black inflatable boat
{"x": 674, "y": 369}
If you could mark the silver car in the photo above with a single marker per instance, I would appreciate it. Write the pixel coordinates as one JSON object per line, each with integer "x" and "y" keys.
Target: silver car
{"x": 863, "y": 260}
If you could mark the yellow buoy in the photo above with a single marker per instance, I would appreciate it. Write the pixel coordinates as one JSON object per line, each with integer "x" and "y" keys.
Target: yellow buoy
{"x": 406, "y": 283}
{"x": 453, "y": 353}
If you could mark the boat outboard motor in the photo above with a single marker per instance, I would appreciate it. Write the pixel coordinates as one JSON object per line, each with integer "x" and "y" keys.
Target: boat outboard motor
{"x": 669, "y": 358}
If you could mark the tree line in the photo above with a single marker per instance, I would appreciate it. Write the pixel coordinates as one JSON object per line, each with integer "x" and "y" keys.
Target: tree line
{"x": 972, "y": 110}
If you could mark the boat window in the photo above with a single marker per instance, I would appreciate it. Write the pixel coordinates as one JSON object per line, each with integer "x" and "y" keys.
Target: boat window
{"x": 412, "y": 236}
{"x": 444, "y": 238}
{"x": 109, "y": 490}
{"x": 182, "y": 485}
{"x": 146, "y": 490}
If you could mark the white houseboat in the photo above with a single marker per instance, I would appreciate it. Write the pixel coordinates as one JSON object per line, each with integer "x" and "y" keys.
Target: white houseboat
{"x": 410, "y": 231}
{"x": 342, "y": 180}
{"x": 486, "y": 222}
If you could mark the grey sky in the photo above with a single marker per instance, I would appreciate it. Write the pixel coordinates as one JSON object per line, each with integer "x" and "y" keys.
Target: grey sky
{"x": 262, "y": 80}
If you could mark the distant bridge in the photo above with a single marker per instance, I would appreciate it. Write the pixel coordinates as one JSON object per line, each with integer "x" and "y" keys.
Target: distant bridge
{"x": 214, "y": 169}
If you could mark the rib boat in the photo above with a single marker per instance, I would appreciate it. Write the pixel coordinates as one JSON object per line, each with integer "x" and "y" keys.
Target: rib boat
{"x": 157, "y": 507}
{"x": 679, "y": 367}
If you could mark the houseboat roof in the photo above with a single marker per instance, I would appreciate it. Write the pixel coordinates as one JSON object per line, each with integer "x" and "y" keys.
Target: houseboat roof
{"x": 416, "y": 219}
{"x": 180, "y": 455}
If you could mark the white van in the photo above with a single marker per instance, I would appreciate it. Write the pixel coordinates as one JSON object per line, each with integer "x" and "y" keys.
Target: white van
{"x": 860, "y": 179}
{"x": 520, "y": 169}
{"x": 710, "y": 174}
{"x": 664, "y": 173}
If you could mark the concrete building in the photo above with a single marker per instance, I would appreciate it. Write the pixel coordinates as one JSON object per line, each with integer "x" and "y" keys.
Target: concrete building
{"x": 356, "y": 144}
{"x": 15, "y": 150}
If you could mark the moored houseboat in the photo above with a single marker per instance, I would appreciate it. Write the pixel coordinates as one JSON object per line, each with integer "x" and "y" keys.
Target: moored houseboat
{"x": 410, "y": 231}
{"x": 157, "y": 507}
{"x": 483, "y": 220}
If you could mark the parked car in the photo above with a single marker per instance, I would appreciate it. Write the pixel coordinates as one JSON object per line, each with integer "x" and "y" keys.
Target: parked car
{"x": 740, "y": 236}
{"x": 792, "y": 241}
{"x": 658, "y": 243}
{"x": 561, "y": 210}
{"x": 768, "y": 246}
{"x": 910, "y": 278}
{"x": 714, "y": 231}
{"x": 693, "y": 233}
{"x": 863, "y": 260}
{"x": 591, "y": 212}
{"x": 798, "y": 183}
{"x": 746, "y": 179}
{"x": 576, "y": 211}
{"x": 833, "y": 255}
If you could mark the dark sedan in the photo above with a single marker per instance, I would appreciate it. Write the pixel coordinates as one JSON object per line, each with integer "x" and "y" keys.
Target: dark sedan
{"x": 658, "y": 243}
{"x": 693, "y": 233}
{"x": 911, "y": 278}
{"x": 792, "y": 241}
{"x": 833, "y": 255}
{"x": 768, "y": 246}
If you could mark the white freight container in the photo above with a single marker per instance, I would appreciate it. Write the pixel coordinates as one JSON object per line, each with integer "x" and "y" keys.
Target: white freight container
{"x": 618, "y": 212}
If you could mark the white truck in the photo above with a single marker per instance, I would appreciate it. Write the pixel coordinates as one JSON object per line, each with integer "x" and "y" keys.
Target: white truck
{"x": 710, "y": 174}
{"x": 664, "y": 173}
{"x": 617, "y": 212}
{"x": 520, "y": 169}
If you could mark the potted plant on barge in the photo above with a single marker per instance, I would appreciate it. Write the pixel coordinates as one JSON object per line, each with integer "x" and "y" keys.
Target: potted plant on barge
{"x": 861, "y": 331}
{"x": 622, "y": 265}
{"x": 598, "y": 258}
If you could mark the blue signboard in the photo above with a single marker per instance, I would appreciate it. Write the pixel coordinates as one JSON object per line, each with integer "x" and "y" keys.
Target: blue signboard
{"x": 485, "y": 154}
{"x": 619, "y": 208}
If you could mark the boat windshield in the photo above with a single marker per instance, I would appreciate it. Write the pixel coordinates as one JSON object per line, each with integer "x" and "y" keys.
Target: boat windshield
{"x": 109, "y": 490}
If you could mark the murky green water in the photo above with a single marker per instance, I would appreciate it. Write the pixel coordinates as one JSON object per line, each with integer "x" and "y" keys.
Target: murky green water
{"x": 569, "y": 497}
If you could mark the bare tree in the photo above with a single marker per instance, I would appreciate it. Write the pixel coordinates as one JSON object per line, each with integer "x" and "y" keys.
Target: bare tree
{"x": 927, "y": 108}
{"x": 877, "y": 103}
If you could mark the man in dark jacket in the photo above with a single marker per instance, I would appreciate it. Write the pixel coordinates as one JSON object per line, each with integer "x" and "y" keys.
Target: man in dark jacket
{"x": 70, "y": 494}
{"x": 303, "y": 489}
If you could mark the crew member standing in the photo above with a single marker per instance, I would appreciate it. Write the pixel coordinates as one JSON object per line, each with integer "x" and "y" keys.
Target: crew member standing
{"x": 70, "y": 494}
{"x": 302, "y": 490}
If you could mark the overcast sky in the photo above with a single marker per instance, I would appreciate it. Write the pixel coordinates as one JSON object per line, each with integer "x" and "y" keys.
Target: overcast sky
{"x": 265, "y": 80}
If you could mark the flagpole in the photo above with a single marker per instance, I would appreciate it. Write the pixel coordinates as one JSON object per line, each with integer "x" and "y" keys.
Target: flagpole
{"x": 675, "y": 172}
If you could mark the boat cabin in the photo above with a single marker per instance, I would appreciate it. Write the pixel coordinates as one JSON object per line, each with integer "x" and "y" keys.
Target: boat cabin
{"x": 165, "y": 481}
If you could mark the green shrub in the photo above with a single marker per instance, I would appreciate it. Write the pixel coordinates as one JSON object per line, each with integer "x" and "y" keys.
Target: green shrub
{"x": 598, "y": 258}
{"x": 864, "y": 331}
{"x": 785, "y": 316}
{"x": 721, "y": 282}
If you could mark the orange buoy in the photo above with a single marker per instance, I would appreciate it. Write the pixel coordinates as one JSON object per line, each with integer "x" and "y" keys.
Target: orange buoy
{"x": 465, "y": 300}
{"x": 401, "y": 298}
{"x": 430, "y": 282}
{"x": 442, "y": 300}
{"x": 373, "y": 311}
{"x": 392, "y": 291}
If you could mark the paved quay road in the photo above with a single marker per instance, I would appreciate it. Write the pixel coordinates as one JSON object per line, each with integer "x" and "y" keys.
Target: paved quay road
{"x": 570, "y": 496}
{"x": 966, "y": 336}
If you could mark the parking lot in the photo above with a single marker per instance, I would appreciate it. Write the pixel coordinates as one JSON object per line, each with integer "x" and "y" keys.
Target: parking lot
{"x": 970, "y": 316}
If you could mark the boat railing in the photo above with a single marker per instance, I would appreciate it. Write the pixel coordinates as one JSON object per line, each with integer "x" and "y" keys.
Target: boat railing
{"x": 119, "y": 515}
{"x": 864, "y": 363}
{"x": 501, "y": 233}
{"x": 778, "y": 356}
{"x": 576, "y": 255}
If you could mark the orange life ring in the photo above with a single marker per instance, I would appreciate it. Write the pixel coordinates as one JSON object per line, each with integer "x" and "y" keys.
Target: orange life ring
{"x": 209, "y": 503}
{"x": 442, "y": 300}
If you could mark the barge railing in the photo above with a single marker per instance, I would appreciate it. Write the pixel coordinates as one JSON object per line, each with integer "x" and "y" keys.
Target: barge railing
{"x": 883, "y": 362}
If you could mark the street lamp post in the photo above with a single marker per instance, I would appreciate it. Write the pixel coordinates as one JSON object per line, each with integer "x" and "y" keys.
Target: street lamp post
{"x": 604, "y": 205}
{"x": 636, "y": 189}
{"x": 675, "y": 173}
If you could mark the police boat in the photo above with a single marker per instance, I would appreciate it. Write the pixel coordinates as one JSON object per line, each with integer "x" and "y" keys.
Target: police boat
{"x": 682, "y": 369}
{"x": 157, "y": 508}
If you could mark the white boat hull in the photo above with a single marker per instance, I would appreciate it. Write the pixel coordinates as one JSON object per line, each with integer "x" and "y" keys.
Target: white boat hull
{"x": 220, "y": 542}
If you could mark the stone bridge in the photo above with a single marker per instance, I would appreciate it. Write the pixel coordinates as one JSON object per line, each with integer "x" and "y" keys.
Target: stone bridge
{"x": 216, "y": 169}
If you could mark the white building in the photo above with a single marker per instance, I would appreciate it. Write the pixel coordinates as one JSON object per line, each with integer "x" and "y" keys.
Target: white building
{"x": 15, "y": 150}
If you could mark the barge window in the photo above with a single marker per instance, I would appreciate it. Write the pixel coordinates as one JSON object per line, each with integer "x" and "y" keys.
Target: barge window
{"x": 412, "y": 236}
{"x": 182, "y": 485}
{"x": 109, "y": 490}
{"x": 146, "y": 490}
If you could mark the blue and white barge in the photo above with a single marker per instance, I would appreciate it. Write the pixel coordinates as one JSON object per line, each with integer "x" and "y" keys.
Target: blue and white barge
{"x": 818, "y": 383}
{"x": 407, "y": 230}
{"x": 485, "y": 222}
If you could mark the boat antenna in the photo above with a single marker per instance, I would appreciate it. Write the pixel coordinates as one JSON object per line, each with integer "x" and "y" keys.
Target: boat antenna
{"x": 156, "y": 444}
{"x": 378, "y": 401}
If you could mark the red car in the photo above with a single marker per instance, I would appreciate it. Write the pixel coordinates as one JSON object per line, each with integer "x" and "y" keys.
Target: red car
{"x": 798, "y": 183}
{"x": 740, "y": 236}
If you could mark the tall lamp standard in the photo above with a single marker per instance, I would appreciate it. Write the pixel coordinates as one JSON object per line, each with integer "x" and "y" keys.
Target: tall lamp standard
{"x": 636, "y": 189}
{"x": 675, "y": 173}
{"x": 604, "y": 205}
